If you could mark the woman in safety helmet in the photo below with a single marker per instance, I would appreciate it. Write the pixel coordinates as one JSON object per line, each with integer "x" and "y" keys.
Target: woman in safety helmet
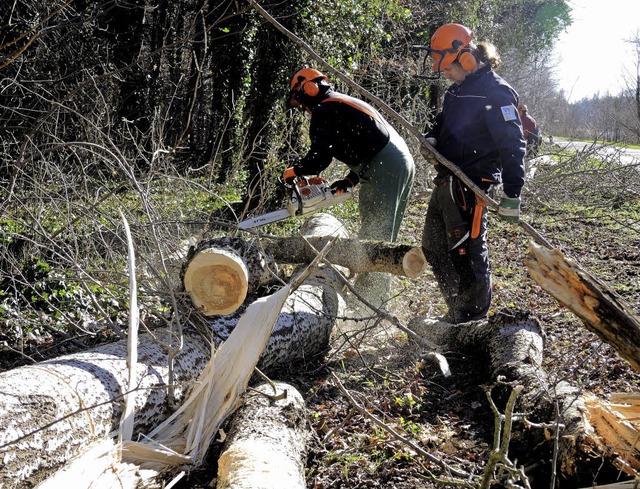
{"x": 479, "y": 131}
{"x": 352, "y": 131}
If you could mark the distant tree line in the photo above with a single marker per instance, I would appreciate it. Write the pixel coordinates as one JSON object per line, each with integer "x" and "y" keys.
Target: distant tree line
{"x": 105, "y": 89}
{"x": 100, "y": 91}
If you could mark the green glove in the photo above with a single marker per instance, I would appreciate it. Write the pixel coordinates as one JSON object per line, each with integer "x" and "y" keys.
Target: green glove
{"x": 427, "y": 154}
{"x": 509, "y": 209}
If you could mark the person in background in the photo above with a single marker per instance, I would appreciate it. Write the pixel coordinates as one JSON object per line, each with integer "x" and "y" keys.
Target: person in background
{"x": 530, "y": 130}
{"x": 479, "y": 131}
{"x": 353, "y": 132}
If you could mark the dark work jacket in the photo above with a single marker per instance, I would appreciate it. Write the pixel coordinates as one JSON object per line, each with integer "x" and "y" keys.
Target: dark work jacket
{"x": 479, "y": 131}
{"x": 529, "y": 125}
{"x": 344, "y": 128}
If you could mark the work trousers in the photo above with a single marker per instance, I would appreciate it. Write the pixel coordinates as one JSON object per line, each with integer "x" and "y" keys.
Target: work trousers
{"x": 454, "y": 242}
{"x": 385, "y": 187}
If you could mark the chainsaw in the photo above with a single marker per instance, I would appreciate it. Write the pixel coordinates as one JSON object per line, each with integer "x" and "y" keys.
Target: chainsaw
{"x": 306, "y": 195}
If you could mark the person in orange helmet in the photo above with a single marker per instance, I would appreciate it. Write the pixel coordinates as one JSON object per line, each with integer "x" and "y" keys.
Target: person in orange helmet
{"x": 479, "y": 131}
{"x": 352, "y": 131}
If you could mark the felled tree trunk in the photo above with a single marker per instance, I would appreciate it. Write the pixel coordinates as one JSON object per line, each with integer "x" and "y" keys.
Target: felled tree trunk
{"x": 52, "y": 411}
{"x": 601, "y": 309}
{"x": 511, "y": 348}
{"x": 308, "y": 318}
{"x": 221, "y": 272}
{"x": 354, "y": 254}
{"x": 266, "y": 446}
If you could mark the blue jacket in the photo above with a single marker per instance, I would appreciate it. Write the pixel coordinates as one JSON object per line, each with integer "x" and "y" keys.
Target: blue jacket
{"x": 479, "y": 130}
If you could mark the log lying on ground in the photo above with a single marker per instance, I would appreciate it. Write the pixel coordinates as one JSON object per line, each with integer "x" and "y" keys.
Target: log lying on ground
{"x": 610, "y": 427}
{"x": 266, "y": 446}
{"x": 308, "y": 318}
{"x": 305, "y": 324}
{"x": 511, "y": 346}
{"x": 52, "y": 411}
{"x": 603, "y": 311}
{"x": 356, "y": 255}
{"x": 511, "y": 343}
{"x": 60, "y": 407}
{"x": 74, "y": 401}
{"x": 219, "y": 273}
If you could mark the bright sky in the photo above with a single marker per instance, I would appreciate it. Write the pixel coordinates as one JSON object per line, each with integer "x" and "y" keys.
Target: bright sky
{"x": 592, "y": 55}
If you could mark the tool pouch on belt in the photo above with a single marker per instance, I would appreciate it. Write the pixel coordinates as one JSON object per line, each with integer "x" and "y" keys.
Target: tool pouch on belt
{"x": 456, "y": 207}
{"x": 470, "y": 206}
{"x": 478, "y": 211}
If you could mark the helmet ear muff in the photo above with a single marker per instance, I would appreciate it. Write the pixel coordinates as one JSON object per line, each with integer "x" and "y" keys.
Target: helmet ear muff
{"x": 467, "y": 60}
{"x": 310, "y": 88}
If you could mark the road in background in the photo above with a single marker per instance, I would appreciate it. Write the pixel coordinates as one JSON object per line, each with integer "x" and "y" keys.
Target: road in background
{"x": 626, "y": 156}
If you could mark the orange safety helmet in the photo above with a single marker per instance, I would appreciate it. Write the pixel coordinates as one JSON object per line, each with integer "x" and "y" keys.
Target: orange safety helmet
{"x": 448, "y": 44}
{"x": 306, "y": 81}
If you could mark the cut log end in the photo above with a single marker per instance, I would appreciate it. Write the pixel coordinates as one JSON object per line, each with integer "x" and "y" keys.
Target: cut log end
{"x": 414, "y": 263}
{"x": 217, "y": 282}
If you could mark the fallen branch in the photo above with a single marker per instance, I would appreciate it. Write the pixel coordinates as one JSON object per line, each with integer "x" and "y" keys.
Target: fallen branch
{"x": 602, "y": 310}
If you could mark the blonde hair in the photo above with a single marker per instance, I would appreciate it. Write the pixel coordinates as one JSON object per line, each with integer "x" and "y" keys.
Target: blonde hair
{"x": 487, "y": 53}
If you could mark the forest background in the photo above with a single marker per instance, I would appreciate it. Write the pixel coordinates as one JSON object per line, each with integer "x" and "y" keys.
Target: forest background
{"x": 172, "y": 115}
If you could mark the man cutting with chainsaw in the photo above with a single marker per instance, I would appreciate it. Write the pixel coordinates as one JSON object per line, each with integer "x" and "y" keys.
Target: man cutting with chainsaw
{"x": 353, "y": 132}
{"x": 479, "y": 131}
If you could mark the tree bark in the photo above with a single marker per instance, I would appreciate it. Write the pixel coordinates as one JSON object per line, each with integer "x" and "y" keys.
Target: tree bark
{"x": 309, "y": 316}
{"x": 266, "y": 446}
{"x": 52, "y": 411}
{"x": 602, "y": 310}
{"x": 354, "y": 254}
{"x": 511, "y": 347}
{"x": 221, "y": 272}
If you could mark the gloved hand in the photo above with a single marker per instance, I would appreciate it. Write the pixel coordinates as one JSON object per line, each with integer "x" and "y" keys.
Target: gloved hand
{"x": 341, "y": 186}
{"x": 427, "y": 154}
{"x": 289, "y": 175}
{"x": 509, "y": 209}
